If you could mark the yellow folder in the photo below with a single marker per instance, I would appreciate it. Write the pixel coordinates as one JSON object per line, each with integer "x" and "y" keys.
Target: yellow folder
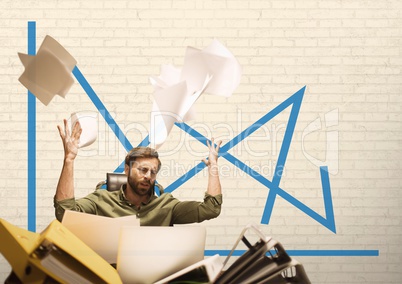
{"x": 56, "y": 254}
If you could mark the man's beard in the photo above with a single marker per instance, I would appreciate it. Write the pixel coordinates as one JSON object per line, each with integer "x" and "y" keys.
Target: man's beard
{"x": 134, "y": 184}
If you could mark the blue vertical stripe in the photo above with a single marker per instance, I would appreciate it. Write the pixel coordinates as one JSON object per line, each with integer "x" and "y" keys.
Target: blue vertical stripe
{"x": 31, "y": 138}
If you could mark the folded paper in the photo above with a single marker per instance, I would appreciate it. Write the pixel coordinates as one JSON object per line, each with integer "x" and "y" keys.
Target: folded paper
{"x": 89, "y": 125}
{"x": 172, "y": 104}
{"x": 218, "y": 62}
{"x": 49, "y": 72}
{"x": 213, "y": 70}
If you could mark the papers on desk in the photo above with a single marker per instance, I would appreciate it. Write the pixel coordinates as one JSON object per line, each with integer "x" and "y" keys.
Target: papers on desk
{"x": 98, "y": 232}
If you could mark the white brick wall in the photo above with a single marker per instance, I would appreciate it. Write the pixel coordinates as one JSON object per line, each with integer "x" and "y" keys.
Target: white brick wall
{"x": 347, "y": 53}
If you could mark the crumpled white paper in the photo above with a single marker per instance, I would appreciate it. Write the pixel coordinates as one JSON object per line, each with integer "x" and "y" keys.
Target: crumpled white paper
{"x": 89, "y": 125}
{"x": 49, "y": 71}
{"x": 213, "y": 70}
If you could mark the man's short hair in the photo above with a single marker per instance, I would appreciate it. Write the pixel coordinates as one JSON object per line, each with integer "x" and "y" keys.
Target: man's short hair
{"x": 142, "y": 152}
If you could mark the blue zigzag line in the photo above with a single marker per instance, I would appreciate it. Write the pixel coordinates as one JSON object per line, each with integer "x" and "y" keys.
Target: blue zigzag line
{"x": 106, "y": 115}
{"x": 328, "y": 222}
{"x": 294, "y": 100}
{"x": 296, "y": 104}
{"x": 202, "y": 139}
{"x": 236, "y": 140}
{"x": 102, "y": 109}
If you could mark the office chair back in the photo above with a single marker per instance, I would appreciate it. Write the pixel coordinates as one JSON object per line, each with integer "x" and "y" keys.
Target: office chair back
{"x": 114, "y": 181}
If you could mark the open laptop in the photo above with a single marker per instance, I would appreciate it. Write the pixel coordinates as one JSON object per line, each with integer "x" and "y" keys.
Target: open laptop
{"x": 148, "y": 254}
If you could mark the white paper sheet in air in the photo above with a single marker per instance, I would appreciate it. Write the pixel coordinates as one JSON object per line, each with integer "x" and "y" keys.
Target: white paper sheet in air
{"x": 213, "y": 70}
{"x": 89, "y": 125}
{"x": 215, "y": 60}
{"x": 49, "y": 71}
{"x": 174, "y": 103}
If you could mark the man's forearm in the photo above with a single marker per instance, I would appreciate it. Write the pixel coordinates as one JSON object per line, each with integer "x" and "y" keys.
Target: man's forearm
{"x": 65, "y": 187}
{"x": 214, "y": 184}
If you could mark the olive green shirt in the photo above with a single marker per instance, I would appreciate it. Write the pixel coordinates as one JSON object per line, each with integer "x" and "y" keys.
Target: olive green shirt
{"x": 164, "y": 210}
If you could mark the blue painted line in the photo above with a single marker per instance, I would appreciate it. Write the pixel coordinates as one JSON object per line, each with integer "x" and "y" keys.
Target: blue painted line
{"x": 242, "y": 166}
{"x": 279, "y": 191}
{"x": 303, "y": 252}
{"x": 31, "y": 138}
{"x": 106, "y": 115}
{"x": 333, "y": 252}
{"x": 102, "y": 109}
{"x": 295, "y": 101}
{"x": 144, "y": 143}
{"x": 120, "y": 168}
{"x": 223, "y": 153}
{"x": 256, "y": 125}
{"x": 326, "y": 189}
{"x": 113, "y": 125}
{"x": 181, "y": 180}
{"x": 196, "y": 169}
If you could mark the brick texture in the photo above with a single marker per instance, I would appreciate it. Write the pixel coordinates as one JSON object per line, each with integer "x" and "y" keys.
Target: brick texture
{"x": 346, "y": 53}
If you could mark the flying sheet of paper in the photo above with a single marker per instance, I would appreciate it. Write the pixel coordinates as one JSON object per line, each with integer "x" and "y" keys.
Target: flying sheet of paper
{"x": 89, "y": 125}
{"x": 169, "y": 93}
{"x": 174, "y": 103}
{"x": 49, "y": 71}
{"x": 213, "y": 70}
{"x": 170, "y": 75}
{"x": 215, "y": 60}
{"x": 98, "y": 232}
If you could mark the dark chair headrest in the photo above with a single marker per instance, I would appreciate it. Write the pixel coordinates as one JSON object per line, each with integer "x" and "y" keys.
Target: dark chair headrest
{"x": 115, "y": 180}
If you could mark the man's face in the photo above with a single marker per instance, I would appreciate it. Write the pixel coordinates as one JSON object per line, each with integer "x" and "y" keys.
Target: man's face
{"x": 142, "y": 175}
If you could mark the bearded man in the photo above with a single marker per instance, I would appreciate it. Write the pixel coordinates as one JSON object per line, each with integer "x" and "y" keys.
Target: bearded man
{"x": 137, "y": 196}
